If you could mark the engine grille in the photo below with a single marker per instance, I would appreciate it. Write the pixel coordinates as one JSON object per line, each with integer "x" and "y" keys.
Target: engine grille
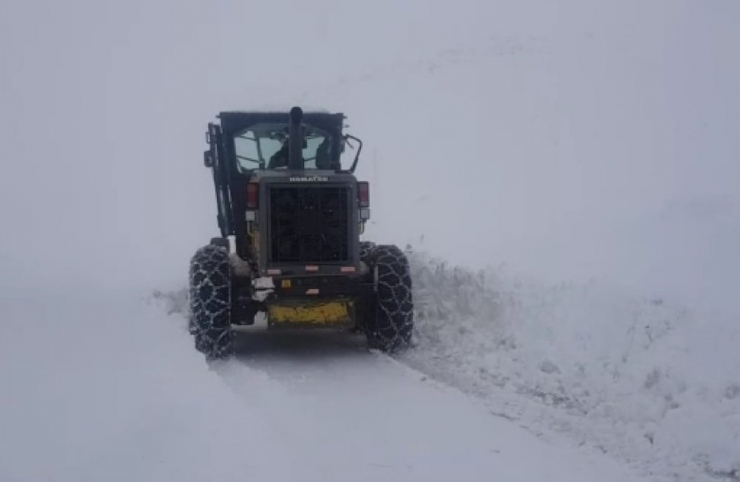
{"x": 309, "y": 224}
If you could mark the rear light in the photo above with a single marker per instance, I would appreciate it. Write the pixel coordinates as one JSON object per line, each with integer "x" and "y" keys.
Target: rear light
{"x": 253, "y": 195}
{"x": 363, "y": 194}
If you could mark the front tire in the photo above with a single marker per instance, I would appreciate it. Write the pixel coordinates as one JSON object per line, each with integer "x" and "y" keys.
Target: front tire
{"x": 210, "y": 302}
{"x": 390, "y": 327}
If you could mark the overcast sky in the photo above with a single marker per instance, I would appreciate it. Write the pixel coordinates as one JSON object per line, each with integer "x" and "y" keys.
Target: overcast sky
{"x": 566, "y": 139}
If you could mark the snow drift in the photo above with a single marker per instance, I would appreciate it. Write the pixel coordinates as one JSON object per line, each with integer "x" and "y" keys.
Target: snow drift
{"x": 645, "y": 379}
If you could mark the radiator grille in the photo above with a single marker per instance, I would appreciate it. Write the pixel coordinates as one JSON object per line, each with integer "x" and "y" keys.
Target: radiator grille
{"x": 309, "y": 224}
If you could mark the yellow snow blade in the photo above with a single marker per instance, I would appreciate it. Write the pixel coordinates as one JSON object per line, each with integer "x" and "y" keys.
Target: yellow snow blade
{"x": 313, "y": 313}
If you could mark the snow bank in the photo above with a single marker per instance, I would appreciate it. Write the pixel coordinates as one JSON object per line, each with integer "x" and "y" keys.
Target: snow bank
{"x": 647, "y": 380}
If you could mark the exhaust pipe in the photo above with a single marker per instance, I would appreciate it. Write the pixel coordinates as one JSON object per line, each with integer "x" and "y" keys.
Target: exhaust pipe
{"x": 295, "y": 138}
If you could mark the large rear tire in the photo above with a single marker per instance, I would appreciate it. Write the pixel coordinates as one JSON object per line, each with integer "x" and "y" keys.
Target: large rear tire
{"x": 210, "y": 302}
{"x": 390, "y": 327}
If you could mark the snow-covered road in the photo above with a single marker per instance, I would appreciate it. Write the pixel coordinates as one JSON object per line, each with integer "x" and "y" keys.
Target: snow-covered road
{"x": 367, "y": 417}
{"x": 107, "y": 388}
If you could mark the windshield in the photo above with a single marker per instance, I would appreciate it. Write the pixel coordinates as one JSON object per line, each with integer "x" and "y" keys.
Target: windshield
{"x": 265, "y": 146}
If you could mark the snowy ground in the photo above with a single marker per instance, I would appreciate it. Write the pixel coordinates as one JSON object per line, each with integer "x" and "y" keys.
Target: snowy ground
{"x": 645, "y": 380}
{"x": 109, "y": 388}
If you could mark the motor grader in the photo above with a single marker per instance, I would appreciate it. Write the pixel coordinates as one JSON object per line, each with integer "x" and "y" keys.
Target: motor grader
{"x": 290, "y": 214}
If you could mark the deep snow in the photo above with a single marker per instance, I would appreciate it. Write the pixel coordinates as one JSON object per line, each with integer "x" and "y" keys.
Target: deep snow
{"x": 647, "y": 380}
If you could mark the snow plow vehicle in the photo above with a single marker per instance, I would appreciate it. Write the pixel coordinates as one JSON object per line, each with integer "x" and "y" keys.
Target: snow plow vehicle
{"x": 291, "y": 216}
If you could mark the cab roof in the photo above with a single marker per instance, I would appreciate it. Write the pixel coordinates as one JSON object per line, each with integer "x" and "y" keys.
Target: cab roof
{"x": 236, "y": 121}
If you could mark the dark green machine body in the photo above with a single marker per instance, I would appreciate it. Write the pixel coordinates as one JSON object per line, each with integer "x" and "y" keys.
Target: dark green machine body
{"x": 291, "y": 215}
{"x": 294, "y": 212}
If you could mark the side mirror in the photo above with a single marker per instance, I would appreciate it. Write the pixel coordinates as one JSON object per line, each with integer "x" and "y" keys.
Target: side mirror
{"x": 347, "y": 138}
{"x": 208, "y": 159}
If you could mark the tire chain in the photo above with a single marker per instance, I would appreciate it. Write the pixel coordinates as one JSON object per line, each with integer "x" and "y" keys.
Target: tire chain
{"x": 395, "y": 316}
{"x": 210, "y": 302}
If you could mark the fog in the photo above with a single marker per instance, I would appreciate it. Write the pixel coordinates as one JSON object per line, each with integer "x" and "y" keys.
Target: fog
{"x": 564, "y": 140}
